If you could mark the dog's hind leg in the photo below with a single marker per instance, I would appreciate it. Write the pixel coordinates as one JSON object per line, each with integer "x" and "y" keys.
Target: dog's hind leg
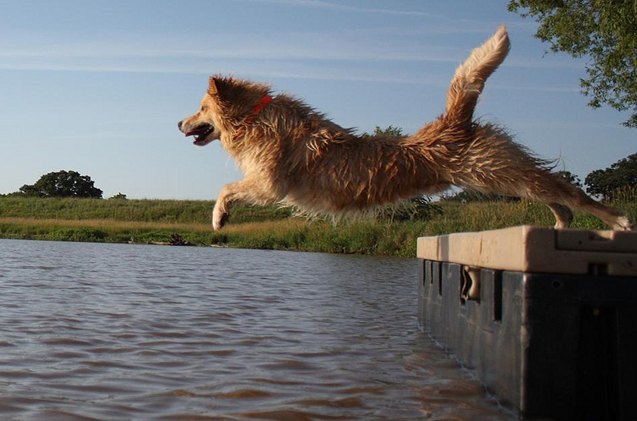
{"x": 244, "y": 191}
{"x": 493, "y": 163}
{"x": 561, "y": 197}
{"x": 573, "y": 198}
{"x": 563, "y": 215}
{"x": 542, "y": 186}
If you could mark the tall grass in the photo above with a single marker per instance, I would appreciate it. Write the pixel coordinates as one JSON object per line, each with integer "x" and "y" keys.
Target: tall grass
{"x": 127, "y": 210}
{"x": 152, "y": 221}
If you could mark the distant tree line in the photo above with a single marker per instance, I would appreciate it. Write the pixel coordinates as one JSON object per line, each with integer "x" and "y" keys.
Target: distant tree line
{"x": 61, "y": 184}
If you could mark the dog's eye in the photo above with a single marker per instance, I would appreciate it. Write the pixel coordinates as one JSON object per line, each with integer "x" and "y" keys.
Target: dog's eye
{"x": 204, "y": 108}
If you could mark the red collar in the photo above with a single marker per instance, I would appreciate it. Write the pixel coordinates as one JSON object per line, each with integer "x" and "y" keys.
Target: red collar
{"x": 262, "y": 104}
{"x": 258, "y": 108}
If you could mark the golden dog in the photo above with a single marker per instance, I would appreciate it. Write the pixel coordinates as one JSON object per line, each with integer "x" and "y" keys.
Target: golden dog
{"x": 292, "y": 155}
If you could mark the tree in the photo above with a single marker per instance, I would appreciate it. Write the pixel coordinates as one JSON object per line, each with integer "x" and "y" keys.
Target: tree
{"x": 570, "y": 177}
{"x": 603, "y": 30}
{"x": 62, "y": 184}
{"x": 621, "y": 175}
{"x": 390, "y": 131}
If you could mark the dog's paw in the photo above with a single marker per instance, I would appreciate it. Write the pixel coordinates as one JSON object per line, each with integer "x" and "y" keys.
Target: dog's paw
{"x": 623, "y": 224}
{"x": 219, "y": 219}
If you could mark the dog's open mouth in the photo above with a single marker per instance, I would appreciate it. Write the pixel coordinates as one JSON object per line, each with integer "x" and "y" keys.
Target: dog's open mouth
{"x": 202, "y": 133}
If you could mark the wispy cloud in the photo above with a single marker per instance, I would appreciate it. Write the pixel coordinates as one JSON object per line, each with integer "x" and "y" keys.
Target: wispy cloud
{"x": 320, "y": 4}
{"x": 386, "y": 44}
{"x": 384, "y": 54}
{"x": 160, "y": 53}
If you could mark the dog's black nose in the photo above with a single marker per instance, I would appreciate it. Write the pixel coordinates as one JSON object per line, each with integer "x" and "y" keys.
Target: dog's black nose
{"x": 179, "y": 124}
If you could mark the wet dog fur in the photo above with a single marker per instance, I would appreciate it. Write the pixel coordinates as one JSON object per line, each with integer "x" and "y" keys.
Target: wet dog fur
{"x": 293, "y": 155}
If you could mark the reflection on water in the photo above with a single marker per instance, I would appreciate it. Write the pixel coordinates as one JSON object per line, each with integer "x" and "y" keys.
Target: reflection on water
{"x": 128, "y": 331}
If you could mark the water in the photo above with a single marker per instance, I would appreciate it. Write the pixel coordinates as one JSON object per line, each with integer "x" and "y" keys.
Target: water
{"x": 98, "y": 331}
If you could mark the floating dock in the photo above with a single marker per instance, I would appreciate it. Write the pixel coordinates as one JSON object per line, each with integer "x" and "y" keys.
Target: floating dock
{"x": 546, "y": 318}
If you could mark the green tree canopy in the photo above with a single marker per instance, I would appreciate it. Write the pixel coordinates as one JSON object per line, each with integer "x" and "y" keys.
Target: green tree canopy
{"x": 62, "y": 184}
{"x": 603, "y": 30}
{"x": 605, "y": 183}
{"x": 389, "y": 131}
{"x": 571, "y": 178}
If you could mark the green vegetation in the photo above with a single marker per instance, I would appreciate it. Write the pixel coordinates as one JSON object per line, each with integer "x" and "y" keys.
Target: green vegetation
{"x": 66, "y": 206}
{"x": 603, "y": 31}
{"x": 162, "y": 221}
{"x": 62, "y": 184}
{"x": 618, "y": 180}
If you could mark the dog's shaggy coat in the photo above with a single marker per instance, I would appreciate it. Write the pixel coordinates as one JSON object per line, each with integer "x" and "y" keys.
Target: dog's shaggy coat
{"x": 293, "y": 155}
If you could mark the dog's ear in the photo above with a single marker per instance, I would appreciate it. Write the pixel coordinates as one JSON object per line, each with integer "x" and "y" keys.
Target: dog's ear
{"x": 224, "y": 89}
{"x": 213, "y": 85}
{"x": 235, "y": 96}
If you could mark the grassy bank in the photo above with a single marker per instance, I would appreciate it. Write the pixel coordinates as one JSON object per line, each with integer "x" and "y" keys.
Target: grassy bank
{"x": 163, "y": 221}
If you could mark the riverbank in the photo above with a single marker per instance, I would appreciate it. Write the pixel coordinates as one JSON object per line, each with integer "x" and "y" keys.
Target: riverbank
{"x": 188, "y": 222}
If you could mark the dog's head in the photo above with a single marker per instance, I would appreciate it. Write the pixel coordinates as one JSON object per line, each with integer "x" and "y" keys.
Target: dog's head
{"x": 226, "y": 104}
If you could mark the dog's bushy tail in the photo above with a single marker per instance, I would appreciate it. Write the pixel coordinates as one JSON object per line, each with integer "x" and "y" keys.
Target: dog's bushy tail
{"x": 469, "y": 79}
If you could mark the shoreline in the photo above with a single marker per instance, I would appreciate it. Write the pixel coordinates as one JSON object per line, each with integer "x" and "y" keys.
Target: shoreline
{"x": 182, "y": 223}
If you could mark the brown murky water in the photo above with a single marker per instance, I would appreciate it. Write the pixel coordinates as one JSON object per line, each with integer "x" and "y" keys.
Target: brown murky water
{"x": 96, "y": 331}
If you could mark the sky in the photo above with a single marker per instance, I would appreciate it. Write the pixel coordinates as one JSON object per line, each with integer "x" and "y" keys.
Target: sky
{"x": 98, "y": 86}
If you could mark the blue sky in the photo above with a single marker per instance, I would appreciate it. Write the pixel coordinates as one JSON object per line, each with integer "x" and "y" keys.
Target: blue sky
{"x": 98, "y": 86}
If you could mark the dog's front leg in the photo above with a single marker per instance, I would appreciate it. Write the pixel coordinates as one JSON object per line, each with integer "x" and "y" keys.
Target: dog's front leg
{"x": 224, "y": 202}
{"x": 219, "y": 216}
{"x": 248, "y": 190}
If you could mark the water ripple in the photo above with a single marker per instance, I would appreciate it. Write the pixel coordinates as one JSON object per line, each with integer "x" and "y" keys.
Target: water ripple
{"x": 95, "y": 331}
